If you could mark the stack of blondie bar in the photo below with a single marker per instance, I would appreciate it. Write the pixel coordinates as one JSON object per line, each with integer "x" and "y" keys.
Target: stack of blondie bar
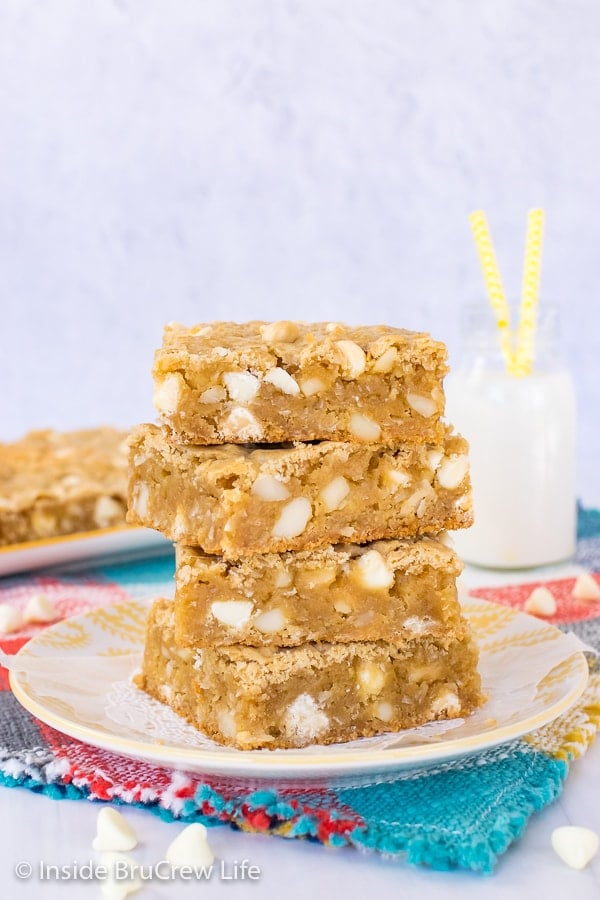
{"x": 303, "y": 471}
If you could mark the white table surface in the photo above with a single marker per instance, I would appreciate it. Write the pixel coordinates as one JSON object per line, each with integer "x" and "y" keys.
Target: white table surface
{"x": 35, "y": 828}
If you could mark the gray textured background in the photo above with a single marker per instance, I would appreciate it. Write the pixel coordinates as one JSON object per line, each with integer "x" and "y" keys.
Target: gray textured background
{"x": 204, "y": 159}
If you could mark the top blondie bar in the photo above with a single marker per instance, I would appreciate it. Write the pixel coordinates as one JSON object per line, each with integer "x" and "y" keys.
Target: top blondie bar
{"x": 265, "y": 382}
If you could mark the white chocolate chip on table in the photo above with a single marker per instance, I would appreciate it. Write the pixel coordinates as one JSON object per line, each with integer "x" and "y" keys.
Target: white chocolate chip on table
{"x": 190, "y": 848}
{"x": 540, "y": 602}
{"x": 11, "y": 619}
{"x": 113, "y": 831}
{"x": 122, "y": 879}
{"x": 575, "y": 845}
{"x": 586, "y": 587}
{"x": 40, "y": 608}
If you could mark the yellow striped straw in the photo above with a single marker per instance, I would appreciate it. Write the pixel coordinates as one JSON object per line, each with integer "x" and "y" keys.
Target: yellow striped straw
{"x": 530, "y": 294}
{"x": 493, "y": 284}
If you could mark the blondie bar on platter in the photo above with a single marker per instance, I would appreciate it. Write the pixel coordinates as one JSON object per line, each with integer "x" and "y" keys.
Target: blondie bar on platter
{"x": 349, "y": 592}
{"x": 235, "y": 499}
{"x": 54, "y": 483}
{"x": 283, "y": 381}
{"x": 255, "y": 697}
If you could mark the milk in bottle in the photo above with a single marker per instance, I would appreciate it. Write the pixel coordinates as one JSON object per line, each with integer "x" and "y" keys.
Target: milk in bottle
{"x": 521, "y": 431}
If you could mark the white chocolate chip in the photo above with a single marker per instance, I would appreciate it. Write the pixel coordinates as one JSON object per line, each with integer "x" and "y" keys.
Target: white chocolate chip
{"x": 282, "y": 578}
{"x": 311, "y": 386}
{"x": 282, "y": 380}
{"x": 226, "y": 723}
{"x": 180, "y": 523}
{"x": 269, "y": 487}
{"x": 371, "y": 678}
{"x": 43, "y": 523}
{"x": 284, "y": 332}
{"x": 372, "y": 571}
{"x": 334, "y": 493}
{"x": 342, "y": 607}
{"x": 141, "y": 494}
{"x": 39, "y": 609}
{"x": 122, "y": 876}
{"x": 213, "y": 395}
{"x": 384, "y": 711}
{"x": 241, "y": 425}
{"x": 428, "y": 673}
{"x": 293, "y": 519}
{"x": 10, "y": 619}
{"x": 165, "y": 692}
{"x": 190, "y": 848}
{"x": 453, "y": 471}
{"x": 304, "y": 721}
{"x": 113, "y": 831}
{"x": 575, "y": 845}
{"x": 234, "y": 613}
{"x": 363, "y": 427}
{"x": 417, "y": 625}
{"x": 418, "y": 501}
{"x": 354, "y": 358}
{"x": 386, "y": 361}
{"x": 434, "y": 457}
{"x": 321, "y": 577}
{"x": 396, "y": 478}
{"x": 446, "y": 702}
{"x": 586, "y": 587}
{"x": 541, "y": 602}
{"x": 425, "y": 406}
{"x": 270, "y": 621}
{"x": 167, "y": 393}
{"x": 107, "y": 511}
{"x": 241, "y": 386}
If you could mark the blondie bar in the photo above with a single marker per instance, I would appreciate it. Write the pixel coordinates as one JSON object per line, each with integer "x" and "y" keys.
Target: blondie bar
{"x": 235, "y": 500}
{"x": 267, "y": 382}
{"x": 54, "y": 483}
{"x": 250, "y": 697}
{"x": 370, "y": 592}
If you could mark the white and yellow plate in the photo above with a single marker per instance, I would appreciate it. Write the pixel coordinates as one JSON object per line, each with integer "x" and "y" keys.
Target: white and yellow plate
{"x": 77, "y": 677}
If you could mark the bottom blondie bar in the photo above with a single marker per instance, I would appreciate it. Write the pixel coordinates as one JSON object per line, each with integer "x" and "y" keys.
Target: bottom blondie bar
{"x": 250, "y": 697}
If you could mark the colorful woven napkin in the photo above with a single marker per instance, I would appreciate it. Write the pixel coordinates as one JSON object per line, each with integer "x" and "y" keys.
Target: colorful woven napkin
{"x": 462, "y": 814}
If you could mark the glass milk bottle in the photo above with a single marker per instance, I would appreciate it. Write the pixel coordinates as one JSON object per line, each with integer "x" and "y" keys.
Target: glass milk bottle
{"x": 521, "y": 432}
